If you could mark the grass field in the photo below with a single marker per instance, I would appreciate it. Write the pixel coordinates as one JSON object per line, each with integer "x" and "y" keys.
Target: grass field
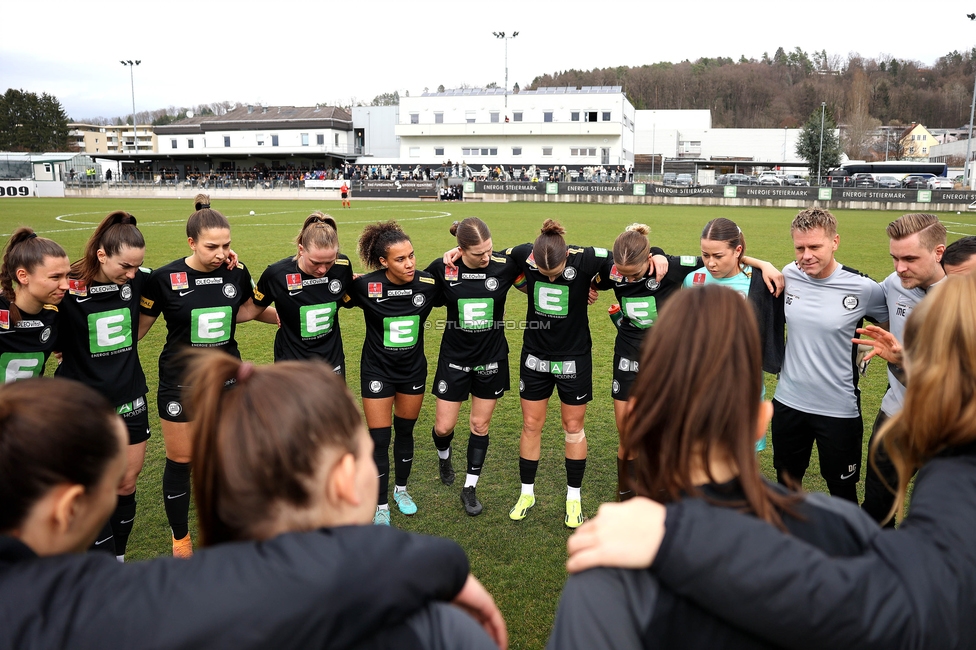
{"x": 522, "y": 563}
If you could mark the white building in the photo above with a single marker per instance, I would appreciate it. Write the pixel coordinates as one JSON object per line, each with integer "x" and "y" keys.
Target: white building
{"x": 277, "y": 131}
{"x": 544, "y": 127}
{"x": 375, "y": 132}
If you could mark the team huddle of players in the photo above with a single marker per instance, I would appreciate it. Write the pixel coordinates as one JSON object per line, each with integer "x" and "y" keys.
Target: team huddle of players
{"x": 94, "y": 312}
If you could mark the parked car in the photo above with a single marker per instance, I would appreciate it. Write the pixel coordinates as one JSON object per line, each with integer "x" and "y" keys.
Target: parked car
{"x": 917, "y": 181}
{"x": 839, "y": 178}
{"x": 669, "y": 178}
{"x": 684, "y": 180}
{"x": 722, "y": 179}
{"x": 863, "y": 180}
{"x": 940, "y": 183}
{"x": 796, "y": 181}
{"x": 888, "y": 181}
{"x": 741, "y": 179}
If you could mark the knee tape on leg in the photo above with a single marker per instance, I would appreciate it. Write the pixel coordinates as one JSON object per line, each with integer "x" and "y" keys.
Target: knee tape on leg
{"x": 573, "y": 438}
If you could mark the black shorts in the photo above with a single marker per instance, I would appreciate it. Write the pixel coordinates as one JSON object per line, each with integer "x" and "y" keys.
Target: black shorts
{"x": 170, "y": 401}
{"x": 135, "y": 415}
{"x": 839, "y": 445}
{"x": 571, "y": 376}
{"x": 377, "y": 386}
{"x": 453, "y": 382}
{"x": 345, "y": 195}
{"x": 624, "y": 374}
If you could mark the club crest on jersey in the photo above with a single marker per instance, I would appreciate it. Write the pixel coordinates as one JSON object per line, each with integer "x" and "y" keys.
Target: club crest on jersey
{"x": 77, "y": 288}
{"x": 699, "y": 279}
{"x": 615, "y": 274}
{"x": 230, "y": 291}
{"x": 375, "y": 289}
{"x": 45, "y": 334}
{"x": 125, "y": 292}
{"x": 4, "y": 319}
{"x": 375, "y": 386}
{"x": 491, "y": 284}
{"x": 418, "y": 300}
{"x": 569, "y": 273}
{"x": 178, "y": 281}
{"x": 335, "y": 286}
{"x": 652, "y": 284}
{"x": 850, "y": 302}
{"x": 450, "y": 273}
{"x": 294, "y": 281}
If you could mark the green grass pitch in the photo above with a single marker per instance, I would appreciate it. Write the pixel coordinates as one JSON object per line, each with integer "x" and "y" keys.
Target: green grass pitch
{"x": 521, "y": 563}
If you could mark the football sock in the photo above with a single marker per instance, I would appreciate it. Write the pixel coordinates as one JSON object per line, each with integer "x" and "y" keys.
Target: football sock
{"x": 381, "y": 456}
{"x": 402, "y": 448}
{"x": 574, "y": 472}
{"x": 176, "y": 495}
{"x": 442, "y": 443}
{"x": 477, "y": 451}
{"x": 121, "y": 520}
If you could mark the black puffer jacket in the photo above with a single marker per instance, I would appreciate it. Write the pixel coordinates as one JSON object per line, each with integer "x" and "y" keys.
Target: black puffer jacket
{"x": 914, "y": 588}
{"x": 332, "y": 588}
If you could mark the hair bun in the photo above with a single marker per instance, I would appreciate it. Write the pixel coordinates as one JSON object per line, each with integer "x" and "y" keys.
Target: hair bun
{"x": 454, "y": 228}
{"x": 552, "y": 227}
{"x": 641, "y": 228}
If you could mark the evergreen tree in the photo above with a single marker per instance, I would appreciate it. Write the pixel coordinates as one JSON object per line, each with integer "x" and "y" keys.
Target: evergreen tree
{"x": 29, "y": 122}
{"x": 808, "y": 144}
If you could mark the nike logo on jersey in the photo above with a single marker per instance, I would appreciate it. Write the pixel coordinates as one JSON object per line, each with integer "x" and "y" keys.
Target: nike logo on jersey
{"x": 183, "y": 293}
{"x": 82, "y": 299}
{"x": 454, "y": 284}
{"x": 847, "y": 476}
{"x": 176, "y": 496}
{"x": 381, "y": 299}
{"x": 292, "y": 293}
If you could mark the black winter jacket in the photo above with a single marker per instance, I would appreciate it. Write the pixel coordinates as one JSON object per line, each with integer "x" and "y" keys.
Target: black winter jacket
{"x": 915, "y": 587}
{"x": 331, "y": 588}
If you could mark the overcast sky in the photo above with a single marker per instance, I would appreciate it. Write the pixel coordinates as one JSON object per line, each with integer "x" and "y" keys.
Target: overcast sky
{"x": 302, "y": 53}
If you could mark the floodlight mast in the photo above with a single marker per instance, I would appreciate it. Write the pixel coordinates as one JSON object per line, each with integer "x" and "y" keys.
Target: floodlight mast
{"x": 131, "y": 65}
{"x": 501, "y": 35}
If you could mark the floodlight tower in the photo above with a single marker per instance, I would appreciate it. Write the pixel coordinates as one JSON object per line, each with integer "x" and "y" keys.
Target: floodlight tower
{"x": 132, "y": 80}
{"x": 966, "y": 181}
{"x": 502, "y": 36}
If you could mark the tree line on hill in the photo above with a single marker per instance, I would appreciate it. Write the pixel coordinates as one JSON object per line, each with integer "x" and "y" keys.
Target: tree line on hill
{"x": 31, "y": 122}
{"x": 783, "y": 90}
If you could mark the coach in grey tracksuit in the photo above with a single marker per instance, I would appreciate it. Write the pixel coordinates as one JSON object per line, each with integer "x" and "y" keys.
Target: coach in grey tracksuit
{"x": 817, "y": 398}
{"x": 917, "y": 242}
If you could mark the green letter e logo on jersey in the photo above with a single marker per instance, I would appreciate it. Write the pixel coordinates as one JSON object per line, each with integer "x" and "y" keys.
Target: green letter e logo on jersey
{"x": 551, "y": 299}
{"x": 109, "y": 330}
{"x": 476, "y": 313}
{"x": 316, "y": 319}
{"x": 210, "y": 325}
{"x": 642, "y": 312}
{"x": 401, "y": 331}
{"x": 20, "y": 365}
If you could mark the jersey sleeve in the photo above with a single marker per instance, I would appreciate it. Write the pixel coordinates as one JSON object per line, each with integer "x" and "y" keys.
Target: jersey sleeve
{"x": 247, "y": 284}
{"x": 520, "y": 255}
{"x": 598, "y": 260}
{"x": 264, "y": 292}
{"x": 678, "y": 271}
{"x": 877, "y": 308}
{"x": 602, "y": 279}
{"x": 150, "y": 302}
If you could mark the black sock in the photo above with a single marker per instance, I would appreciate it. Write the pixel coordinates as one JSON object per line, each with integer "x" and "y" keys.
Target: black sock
{"x": 442, "y": 443}
{"x": 527, "y": 470}
{"x": 402, "y": 448}
{"x": 104, "y": 541}
{"x": 121, "y": 520}
{"x": 574, "y": 472}
{"x": 176, "y": 497}
{"x": 381, "y": 456}
{"x": 477, "y": 451}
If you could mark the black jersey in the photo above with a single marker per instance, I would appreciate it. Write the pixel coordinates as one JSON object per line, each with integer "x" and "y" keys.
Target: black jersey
{"x": 200, "y": 310}
{"x": 394, "y": 316}
{"x": 307, "y": 308}
{"x": 641, "y": 301}
{"x": 556, "y": 319}
{"x": 98, "y": 337}
{"x": 26, "y": 344}
{"x": 475, "y": 300}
